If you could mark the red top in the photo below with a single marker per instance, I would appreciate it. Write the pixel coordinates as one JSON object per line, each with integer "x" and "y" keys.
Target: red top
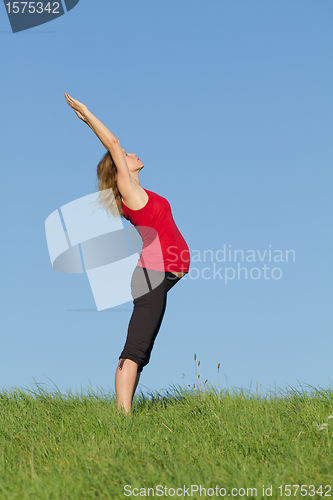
{"x": 164, "y": 248}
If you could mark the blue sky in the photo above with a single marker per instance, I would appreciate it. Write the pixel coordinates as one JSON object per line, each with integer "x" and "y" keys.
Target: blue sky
{"x": 229, "y": 106}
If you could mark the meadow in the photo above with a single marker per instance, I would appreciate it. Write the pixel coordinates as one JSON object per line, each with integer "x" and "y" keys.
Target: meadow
{"x": 193, "y": 442}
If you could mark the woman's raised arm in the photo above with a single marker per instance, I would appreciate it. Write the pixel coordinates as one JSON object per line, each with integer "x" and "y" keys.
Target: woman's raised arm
{"x": 109, "y": 141}
{"x": 103, "y": 133}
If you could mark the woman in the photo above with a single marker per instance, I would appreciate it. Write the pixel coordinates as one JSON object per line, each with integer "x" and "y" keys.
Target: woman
{"x": 156, "y": 272}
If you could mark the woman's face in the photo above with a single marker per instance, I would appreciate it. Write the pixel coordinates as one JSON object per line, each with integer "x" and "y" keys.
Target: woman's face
{"x": 133, "y": 162}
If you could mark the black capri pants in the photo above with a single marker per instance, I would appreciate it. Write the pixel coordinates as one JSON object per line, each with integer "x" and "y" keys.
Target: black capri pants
{"x": 149, "y": 290}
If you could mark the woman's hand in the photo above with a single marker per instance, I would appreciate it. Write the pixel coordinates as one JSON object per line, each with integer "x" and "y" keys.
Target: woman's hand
{"x": 79, "y": 108}
{"x": 104, "y": 134}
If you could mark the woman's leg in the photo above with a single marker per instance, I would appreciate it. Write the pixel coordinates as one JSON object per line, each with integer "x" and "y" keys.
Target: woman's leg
{"x": 126, "y": 381}
{"x": 143, "y": 327}
{"x": 169, "y": 281}
{"x": 136, "y": 384}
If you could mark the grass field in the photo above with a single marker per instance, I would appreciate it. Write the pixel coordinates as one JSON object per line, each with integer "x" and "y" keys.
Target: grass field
{"x": 75, "y": 446}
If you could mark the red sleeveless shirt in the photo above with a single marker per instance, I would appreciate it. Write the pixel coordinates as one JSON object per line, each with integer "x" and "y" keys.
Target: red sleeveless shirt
{"x": 167, "y": 252}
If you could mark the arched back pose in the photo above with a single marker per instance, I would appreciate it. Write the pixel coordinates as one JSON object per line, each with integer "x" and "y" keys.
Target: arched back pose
{"x": 119, "y": 170}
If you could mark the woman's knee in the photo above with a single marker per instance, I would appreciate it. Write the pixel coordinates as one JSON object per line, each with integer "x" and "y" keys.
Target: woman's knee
{"x": 130, "y": 364}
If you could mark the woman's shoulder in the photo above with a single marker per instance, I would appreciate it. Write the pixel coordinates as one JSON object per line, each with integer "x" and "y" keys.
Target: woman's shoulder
{"x": 137, "y": 199}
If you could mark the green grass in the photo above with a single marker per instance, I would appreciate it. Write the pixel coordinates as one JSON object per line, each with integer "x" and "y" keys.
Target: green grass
{"x": 54, "y": 446}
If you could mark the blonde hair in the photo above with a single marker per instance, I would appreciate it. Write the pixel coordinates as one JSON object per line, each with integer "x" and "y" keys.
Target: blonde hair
{"x": 109, "y": 195}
